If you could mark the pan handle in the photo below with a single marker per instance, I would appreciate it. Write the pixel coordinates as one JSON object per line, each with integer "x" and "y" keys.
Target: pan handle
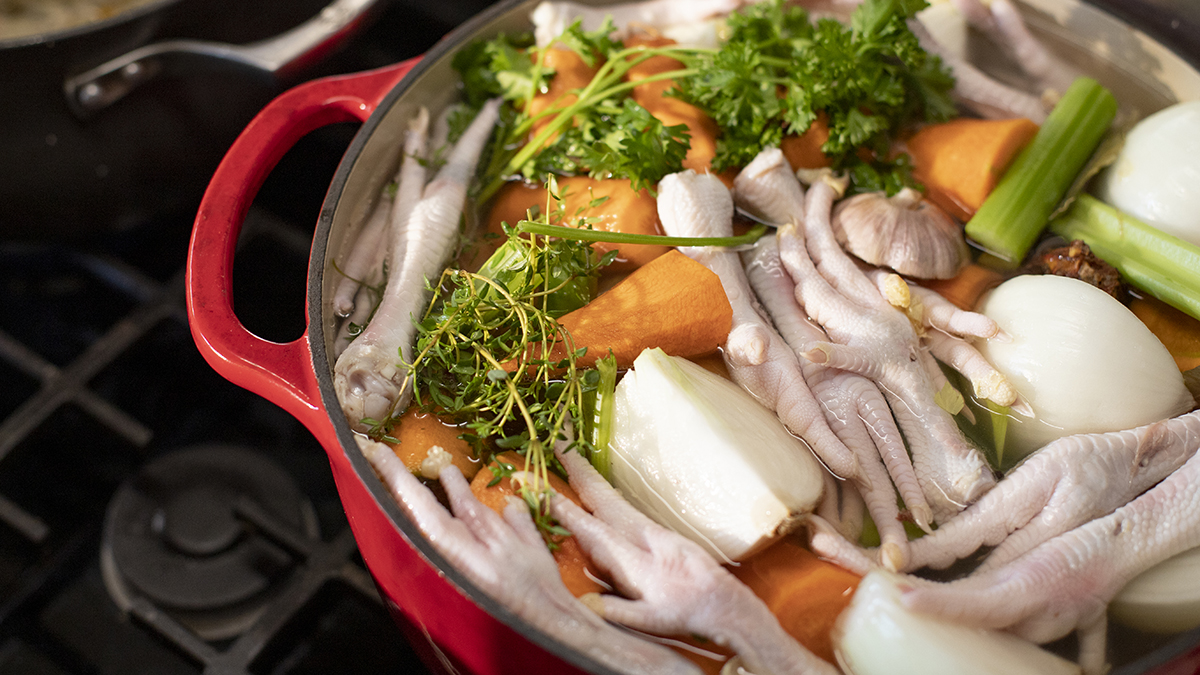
{"x": 278, "y": 58}
{"x": 279, "y": 372}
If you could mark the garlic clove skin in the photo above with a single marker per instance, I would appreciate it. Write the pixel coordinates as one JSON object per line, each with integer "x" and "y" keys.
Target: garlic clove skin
{"x": 904, "y": 232}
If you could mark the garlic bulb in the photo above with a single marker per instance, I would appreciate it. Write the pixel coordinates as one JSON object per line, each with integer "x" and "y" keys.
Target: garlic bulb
{"x": 903, "y": 232}
{"x": 700, "y": 456}
{"x": 876, "y": 635}
{"x": 1154, "y": 178}
{"x": 1081, "y": 361}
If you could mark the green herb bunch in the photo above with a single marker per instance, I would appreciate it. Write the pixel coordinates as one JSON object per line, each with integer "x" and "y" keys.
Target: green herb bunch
{"x": 483, "y": 353}
{"x": 777, "y": 70}
{"x": 604, "y": 133}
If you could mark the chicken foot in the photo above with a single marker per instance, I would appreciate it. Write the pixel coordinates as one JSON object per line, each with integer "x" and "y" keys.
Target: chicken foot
{"x": 854, "y": 407}
{"x": 1003, "y": 24}
{"x": 978, "y": 91}
{"x": 1067, "y": 483}
{"x": 506, "y": 557}
{"x": 1066, "y": 583}
{"x": 389, "y": 229}
{"x": 699, "y": 205}
{"x": 870, "y": 337}
{"x": 551, "y": 19}
{"x": 368, "y": 379}
{"x": 945, "y": 330}
{"x": 364, "y": 265}
{"x": 673, "y": 586}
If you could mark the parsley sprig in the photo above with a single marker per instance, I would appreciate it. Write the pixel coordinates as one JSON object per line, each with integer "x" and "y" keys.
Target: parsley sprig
{"x": 603, "y": 133}
{"x": 778, "y": 70}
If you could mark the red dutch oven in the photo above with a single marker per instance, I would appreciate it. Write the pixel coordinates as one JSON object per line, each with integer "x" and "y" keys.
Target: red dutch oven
{"x": 468, "y": 630}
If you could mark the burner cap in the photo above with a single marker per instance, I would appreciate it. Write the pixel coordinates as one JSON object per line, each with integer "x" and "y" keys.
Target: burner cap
{"x": 172, "y": 536}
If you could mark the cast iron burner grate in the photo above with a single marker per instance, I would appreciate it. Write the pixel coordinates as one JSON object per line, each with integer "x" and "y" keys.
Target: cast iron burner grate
{"x": 156, "y": 518}
{"x": 105, "y": 402}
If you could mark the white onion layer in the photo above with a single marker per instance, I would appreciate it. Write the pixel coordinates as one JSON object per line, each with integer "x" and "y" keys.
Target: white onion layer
{"x": 876, "y": 635}
{"x": 1082, "y": 361}
{"x": 1155, "y": 177}
{"x": 700, "y": 456}
{"x": 1164, "y": 598}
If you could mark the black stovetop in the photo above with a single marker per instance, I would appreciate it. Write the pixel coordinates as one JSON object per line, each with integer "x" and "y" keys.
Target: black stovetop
{"x": 155, "y": 518}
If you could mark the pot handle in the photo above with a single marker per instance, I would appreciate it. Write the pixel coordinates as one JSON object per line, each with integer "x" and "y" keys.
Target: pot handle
{"x": 277, "y": 58}
{"x": 279, "y": 372}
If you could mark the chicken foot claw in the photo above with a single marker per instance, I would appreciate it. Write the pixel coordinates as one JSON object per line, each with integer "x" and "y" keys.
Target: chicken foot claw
{"x": 672, "y": 586}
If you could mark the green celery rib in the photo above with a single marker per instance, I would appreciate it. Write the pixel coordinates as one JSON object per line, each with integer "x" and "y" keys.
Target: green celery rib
{"x": 606, "y": 400}
{"x": 1016, "y": 211}
{"x": 1158, "y": 263}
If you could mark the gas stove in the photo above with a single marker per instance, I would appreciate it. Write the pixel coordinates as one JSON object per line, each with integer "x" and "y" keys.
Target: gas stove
{"x": 155, "y": 518}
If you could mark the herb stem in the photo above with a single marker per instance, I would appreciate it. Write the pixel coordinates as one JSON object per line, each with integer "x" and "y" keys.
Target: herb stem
{"x": 604, "y": 84}
{"x": 564, "y": 232}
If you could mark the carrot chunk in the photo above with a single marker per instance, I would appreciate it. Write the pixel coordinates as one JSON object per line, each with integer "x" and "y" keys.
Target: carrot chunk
{"x": 804, "y": 151}
{"x": 571, "y": 73}
{"x": 419, "y": 431}
{"x": 670, "y": 110}
{"x": 965, "y": 289}
{"x": 673, "y": 303}
{"x": 804, "y": 592}
{"x": 606, "y": 205}
{"x": 961, "y": 161}
{"x": 574, "y": 566}
{"x": 1178, "y": 332}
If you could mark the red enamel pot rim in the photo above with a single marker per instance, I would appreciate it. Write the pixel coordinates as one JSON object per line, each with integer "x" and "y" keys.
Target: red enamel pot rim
{"x": 411, "y": 574}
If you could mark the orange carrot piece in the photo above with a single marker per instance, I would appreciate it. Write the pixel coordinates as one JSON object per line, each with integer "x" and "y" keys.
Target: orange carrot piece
{"x": 960, "y": 161}
{"x": 620, "y": 209}
{"x": 673, "y": 302}
{"x": 670, "y": 110}
{"x": 570, "y": 73}
{"x": 576, "y": 569}
{"x": 418, "y": 431}
{"x": 965, "y": 289}
{"x": 608, "y": 205}
{"x": 804, "y": 592}
{"x": 1179, "y": 332}
{"x": 804, "y": 151}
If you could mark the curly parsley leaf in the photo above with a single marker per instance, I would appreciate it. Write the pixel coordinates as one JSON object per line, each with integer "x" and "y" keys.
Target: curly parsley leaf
{"x": 591, "y": 45}
{"x": 778, "y": 70}
{"x": 499, "y": 67}
{"x": 615, "y": 140}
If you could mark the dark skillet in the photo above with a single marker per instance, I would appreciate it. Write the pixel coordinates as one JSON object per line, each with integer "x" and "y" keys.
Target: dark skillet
{"x": 68, "y": 169}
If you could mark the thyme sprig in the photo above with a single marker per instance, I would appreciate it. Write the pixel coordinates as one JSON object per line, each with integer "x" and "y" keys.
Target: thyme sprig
{"x": 491, "y": 355}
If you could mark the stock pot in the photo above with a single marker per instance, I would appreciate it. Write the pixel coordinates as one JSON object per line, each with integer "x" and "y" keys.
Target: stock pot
{"x": 469, "y": 630}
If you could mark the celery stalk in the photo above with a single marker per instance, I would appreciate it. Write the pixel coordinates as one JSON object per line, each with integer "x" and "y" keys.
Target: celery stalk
{"x": 1158, "y": 263}
{"x": 602, "y": 415}
{"x": 1014, "y": 214}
